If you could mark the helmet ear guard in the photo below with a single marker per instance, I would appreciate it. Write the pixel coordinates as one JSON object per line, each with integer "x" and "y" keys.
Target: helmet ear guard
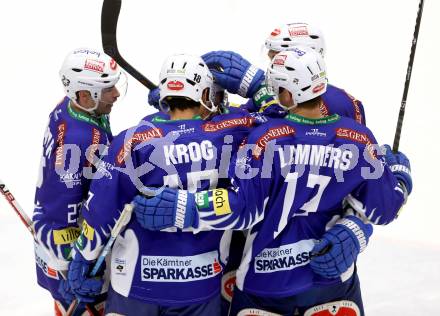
{"x": 300, "y": 71}
{"x": 86, "y": 69}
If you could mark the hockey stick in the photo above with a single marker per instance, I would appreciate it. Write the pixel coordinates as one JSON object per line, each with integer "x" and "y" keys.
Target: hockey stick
{"x": 17, "y": 208}
{"x": 120, "y": 224}
{"x": 109, "y": 23}
{"x": 29, "y": 225}
{"x": 407, "y": 79}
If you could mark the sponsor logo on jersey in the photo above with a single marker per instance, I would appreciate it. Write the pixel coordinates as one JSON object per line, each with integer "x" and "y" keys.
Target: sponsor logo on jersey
{"x": 286, "y": 257}
{"x": 358, "y": 137}
{"x": 70, "y": 179}
{"x": 66, "y": 236}
{"x": 202, "y": 199}
{"x": 183, "y": 130}
{"x": 279, "y": 59}
{"x": 298, "y": 30}
{"x": 323, "y": 109}
{"x": 43, "y": 265}
{"x": 175, "y": 85}
{"x": 60, "y": 144}
{"x": 137, "y": 138}
{"x": 221, "y": 202}
{"x": 96, "y": 136}
{"x": 230, "y": 123}
{"x": 273, "y": 133}
{"x": 180, "y": 268}
{"x": 319, "y": 87}
{"x": 94, "y": 65}
{"x": 357, "y": 110}
{"x": 316, "y": 132}
{"x": 88, "y": 230}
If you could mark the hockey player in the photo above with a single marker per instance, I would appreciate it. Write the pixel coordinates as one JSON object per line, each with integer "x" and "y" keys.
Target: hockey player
{"x": 285, "y": 38}
{"x": 162, "y": 273}
{"x": 288, "y": 185}
{"x": 78, "y": 130}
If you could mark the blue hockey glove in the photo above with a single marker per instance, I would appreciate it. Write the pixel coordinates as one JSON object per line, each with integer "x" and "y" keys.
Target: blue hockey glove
{"x": 400, "y": 166}
{"x": 66, "y": 292}
{"x": 84, "y": 287}
{"x": 234, "y": 73}
{"x": 153, "y": 98}
{"x": 169, "y": 208}
{"x": 340, "y": 246}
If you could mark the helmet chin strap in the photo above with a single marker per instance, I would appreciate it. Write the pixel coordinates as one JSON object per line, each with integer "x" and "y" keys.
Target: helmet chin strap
{"x": 91, "y": 111}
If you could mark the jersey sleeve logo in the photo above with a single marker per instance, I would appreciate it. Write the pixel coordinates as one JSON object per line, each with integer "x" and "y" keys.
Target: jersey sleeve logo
{"x": 273, "y": 133}
{"x": 60, "y": 143}
{"x": 137, "y": 138}
{"x": 358, "y": 137}
{"x": 230, "y": 123}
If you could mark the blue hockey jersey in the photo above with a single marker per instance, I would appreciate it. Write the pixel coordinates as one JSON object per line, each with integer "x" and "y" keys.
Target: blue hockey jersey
{"x": 288, "y": 183}
{"x": 172, "y": 267}
{"x": 71, "y": 144}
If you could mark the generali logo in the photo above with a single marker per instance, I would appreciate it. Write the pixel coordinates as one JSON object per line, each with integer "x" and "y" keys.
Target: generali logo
{"x": 175, "y": 85}
{"x": 273, "y": 133}
{"x": 94, "y": 65}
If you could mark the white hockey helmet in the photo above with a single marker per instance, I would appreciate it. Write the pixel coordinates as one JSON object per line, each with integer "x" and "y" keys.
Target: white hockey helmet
{"x": 90, "y": 70}
{"x": 301, "y": 71}
{"x": 296, "y": 34}
{"x": 187, "y": 76}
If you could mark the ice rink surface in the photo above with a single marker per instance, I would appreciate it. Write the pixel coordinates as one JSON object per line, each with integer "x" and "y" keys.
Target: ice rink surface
{"x": 368, "y": 44}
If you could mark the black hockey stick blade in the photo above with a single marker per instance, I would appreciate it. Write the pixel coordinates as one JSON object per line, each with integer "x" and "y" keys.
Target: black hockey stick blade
{"x": 408, "y": 78}
{"x": 109, "y": 23}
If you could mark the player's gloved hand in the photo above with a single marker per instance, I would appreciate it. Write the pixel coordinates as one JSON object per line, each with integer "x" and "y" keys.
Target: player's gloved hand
{"x": 340, "y": 246}
{"x": 234, "y": 73}
{"x": 84, "y": 287}
{"x": 400, "y": 166}
{"x": 153, "y": 98}
{"x": 66, "y": 292}
{"x": 169, "y": 208}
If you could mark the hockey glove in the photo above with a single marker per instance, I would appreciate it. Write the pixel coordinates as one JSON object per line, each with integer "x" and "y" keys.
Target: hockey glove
{"x": 66, "y": 292}
{"x": 84, "y": 287}
{"x": 400, "y": 166}
{"x": 234, "y": 73}
{"x": 169, "y": 208}
{"x": 343, "y": 242}
{"x": 153, "y": 98}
